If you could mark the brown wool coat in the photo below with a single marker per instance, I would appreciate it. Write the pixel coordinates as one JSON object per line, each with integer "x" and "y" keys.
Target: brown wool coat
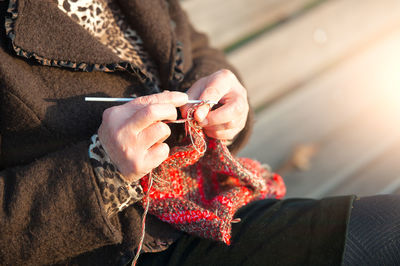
{"x": 51, "y": 210}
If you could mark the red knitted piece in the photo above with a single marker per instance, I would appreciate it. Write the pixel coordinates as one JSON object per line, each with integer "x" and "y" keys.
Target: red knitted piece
{"x": 198, "y": 191}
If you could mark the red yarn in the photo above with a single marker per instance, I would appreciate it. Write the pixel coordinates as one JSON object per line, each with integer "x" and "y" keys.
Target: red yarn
{"x": 198, "y": 191}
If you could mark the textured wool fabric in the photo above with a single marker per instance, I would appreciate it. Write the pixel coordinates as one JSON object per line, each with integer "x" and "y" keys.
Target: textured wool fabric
{"x": 47, "y": 214}
{"x": 200, "y": 186}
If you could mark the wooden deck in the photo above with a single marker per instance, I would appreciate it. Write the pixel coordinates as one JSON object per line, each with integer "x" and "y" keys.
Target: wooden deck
{"x": 324, "y": 77}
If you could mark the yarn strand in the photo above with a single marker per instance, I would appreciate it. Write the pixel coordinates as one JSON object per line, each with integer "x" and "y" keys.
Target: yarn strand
{"x": 146, "y": 210}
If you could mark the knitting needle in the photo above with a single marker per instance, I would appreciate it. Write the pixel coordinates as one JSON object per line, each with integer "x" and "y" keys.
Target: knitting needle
{"x": 108, "y": 99}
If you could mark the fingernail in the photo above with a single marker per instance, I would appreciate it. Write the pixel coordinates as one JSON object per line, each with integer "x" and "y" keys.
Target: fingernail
{"x": 201, "y": 115}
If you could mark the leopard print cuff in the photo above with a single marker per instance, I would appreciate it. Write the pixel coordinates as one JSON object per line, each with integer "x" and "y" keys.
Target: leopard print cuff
{"x": 117, "y": 193}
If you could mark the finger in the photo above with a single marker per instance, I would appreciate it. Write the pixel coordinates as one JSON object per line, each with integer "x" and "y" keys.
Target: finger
{"x": 155, "y": 155}
{"x": 233, "y": 109}
{"x": 201, "y": 113}
{"x": 197, "y": 88}
{"x": 194, "y": 93}
{"x": 225, "y": 126}
{"x": 214, "y": 94}
{"x": 218, "y": 85}
{"x": 212, "y": 88}
{"x": 150, "y": 114}
{"x": 175, "y": 98}
{"x": 222, "y": 134}
{"x": 125, "y": 111}
{"x": 232, "y": 128}
{"x": 155, "y": 133}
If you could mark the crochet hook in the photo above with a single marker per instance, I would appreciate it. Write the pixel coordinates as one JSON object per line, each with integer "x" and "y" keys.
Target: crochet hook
{"x": 108, "y": 99}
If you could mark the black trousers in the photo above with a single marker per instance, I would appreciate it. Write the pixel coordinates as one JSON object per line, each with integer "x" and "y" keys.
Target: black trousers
{"x": 300, "y": 232}
{"x": 271, "y": 232}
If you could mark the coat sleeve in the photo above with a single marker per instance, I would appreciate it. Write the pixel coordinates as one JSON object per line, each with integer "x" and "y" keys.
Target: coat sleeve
{"x": 51, "y": 209}
{"x": 207, "y": 60}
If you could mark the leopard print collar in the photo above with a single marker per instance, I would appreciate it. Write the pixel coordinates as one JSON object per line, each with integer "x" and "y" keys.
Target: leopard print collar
{"x": 104, "y": 20}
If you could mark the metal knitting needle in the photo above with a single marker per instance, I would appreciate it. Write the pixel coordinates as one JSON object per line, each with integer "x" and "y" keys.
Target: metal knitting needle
{"x": 108, "y": 99}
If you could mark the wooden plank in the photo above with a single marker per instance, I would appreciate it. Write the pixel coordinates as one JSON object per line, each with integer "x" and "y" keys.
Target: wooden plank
{"x": 381, "y": 176}
{"x": 228, "y": 21}
{"x": 344, "y": 153}
{"x": 397, "y": 191}
{"x": 367, "y": 84}
{"x": 286, "y": 58}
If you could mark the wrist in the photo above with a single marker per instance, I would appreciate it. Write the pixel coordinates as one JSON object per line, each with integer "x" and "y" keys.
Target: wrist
{"x": 116, "y": 191}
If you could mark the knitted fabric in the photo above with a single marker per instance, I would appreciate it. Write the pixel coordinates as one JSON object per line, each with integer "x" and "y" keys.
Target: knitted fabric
{"x": 201, "y": 185}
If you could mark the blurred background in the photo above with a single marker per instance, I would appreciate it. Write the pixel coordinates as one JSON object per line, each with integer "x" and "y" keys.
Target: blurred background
{"x": 324, "y": 79}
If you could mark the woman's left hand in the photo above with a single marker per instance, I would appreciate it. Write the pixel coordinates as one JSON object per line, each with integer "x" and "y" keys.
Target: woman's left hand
{"x": 226, "y": 121}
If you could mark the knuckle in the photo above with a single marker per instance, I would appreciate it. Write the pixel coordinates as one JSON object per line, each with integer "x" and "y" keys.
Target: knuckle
{"x": 201, "y": 80}
{"x": 169, "y": 95}
{"x": 144, "y": 100}
{"x": 159, "y": 155}
{"x": 243, "y": 91}
{"x": 226, "y": 73}
{"x": 107, "y": 114}
{"x": 240, "y": 106}
{"x": 230, "y": 124}
{"x": 164, "y": 150}
{"x": 212, "y": 91}
{"x": 126, "y": 153}
{"x": 120, "y": 140}
{"x": 164, "y": 128}
{"x": 237, "y": 108}
{"x": 150, "y": 111}
{"x": 155, "y": 98}
{"x": 173, "y": 111}
{"x": 117, "y": 135}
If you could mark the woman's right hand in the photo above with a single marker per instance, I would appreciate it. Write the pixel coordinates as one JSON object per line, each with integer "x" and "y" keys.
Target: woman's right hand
{"x": 133, "y": 133}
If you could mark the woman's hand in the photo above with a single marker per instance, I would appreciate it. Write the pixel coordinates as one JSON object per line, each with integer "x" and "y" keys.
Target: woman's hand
{"x": 226, "y": 121}
{"x": 133, "y": 133}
